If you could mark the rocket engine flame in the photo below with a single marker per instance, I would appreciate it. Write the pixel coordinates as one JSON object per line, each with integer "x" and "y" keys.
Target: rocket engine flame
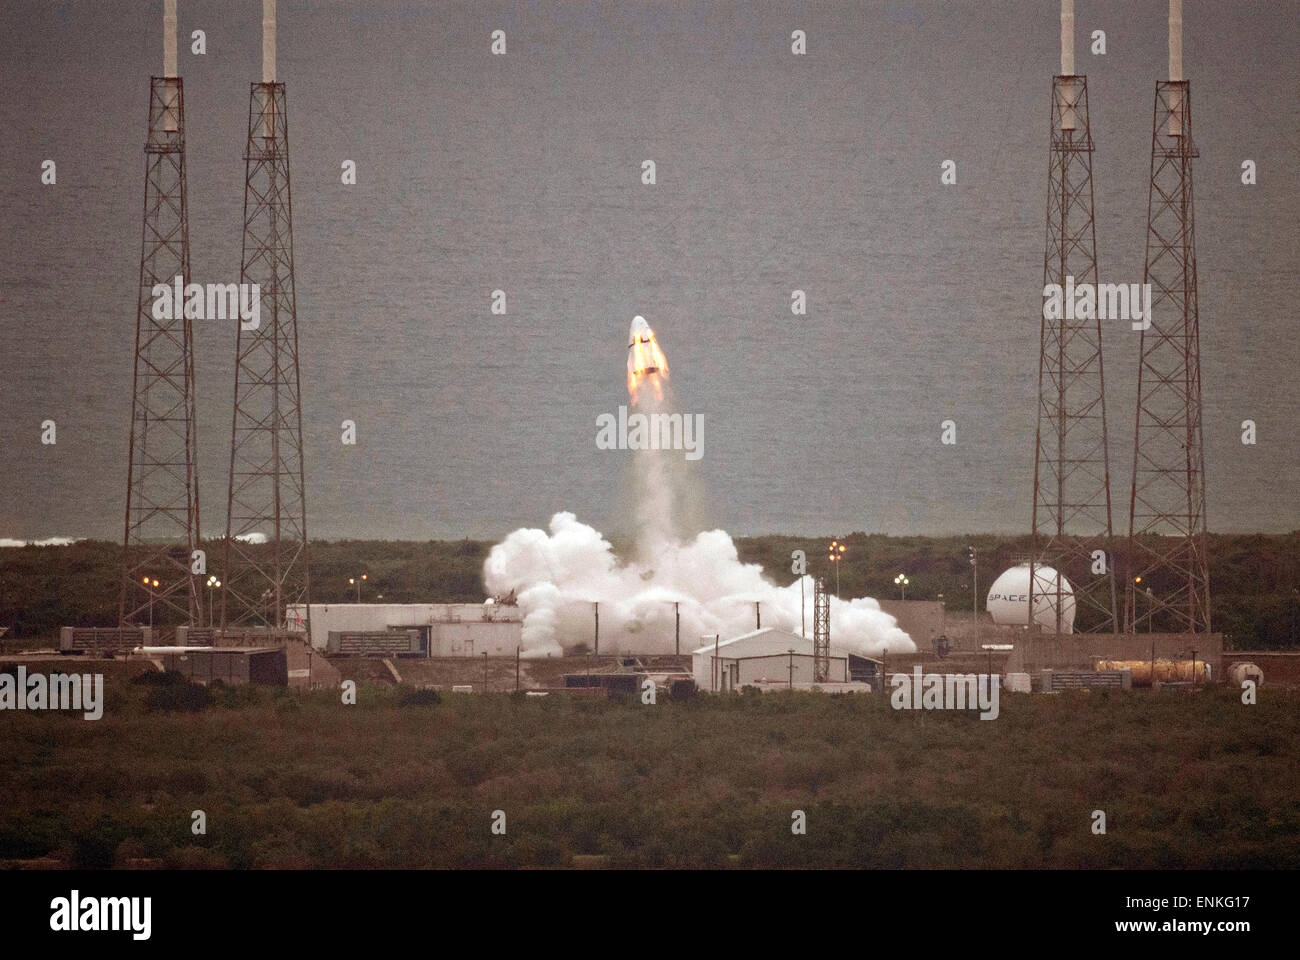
{"x": 646, "y": 363}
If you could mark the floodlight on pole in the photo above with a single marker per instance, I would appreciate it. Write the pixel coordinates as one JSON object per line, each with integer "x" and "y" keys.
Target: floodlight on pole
{"x": 212, "y": 584}
{"x": 835, "y": 553}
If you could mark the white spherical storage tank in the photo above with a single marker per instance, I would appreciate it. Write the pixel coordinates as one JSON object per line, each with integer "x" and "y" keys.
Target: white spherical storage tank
{"x": 1008, "y": 599}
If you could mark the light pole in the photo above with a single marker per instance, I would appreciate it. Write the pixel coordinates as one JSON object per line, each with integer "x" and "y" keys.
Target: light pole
{"x": 975, "y": 592}
{"x": 1151, "y": 610}
{"x": 354, "y": 581}
{"x": 835, "y": 553}
{"x": 902, "y": 582}
{"x": 213, "y": 582}
{"x": 154, "y": 584}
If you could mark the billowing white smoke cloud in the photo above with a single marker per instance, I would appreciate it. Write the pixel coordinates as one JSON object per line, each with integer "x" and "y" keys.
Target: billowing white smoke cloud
{"x": 558, "y": 575}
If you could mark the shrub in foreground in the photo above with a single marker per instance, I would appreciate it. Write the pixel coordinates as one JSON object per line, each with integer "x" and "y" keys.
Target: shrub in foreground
{"x": 190, "y": 698}
{"x": 419, "y": 698}
{"x": 160, "y": 678}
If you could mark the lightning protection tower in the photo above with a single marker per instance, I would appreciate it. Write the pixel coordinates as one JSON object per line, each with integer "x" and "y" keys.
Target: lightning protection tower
{"x": 1168, "y": 587}
{"x": 265, "y": 555}
{"x": 162, "y": 494}
{"x": 1072, "y": 529}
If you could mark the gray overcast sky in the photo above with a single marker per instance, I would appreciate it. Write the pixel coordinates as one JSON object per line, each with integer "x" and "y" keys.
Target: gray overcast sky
{"x": 521, "y": 173}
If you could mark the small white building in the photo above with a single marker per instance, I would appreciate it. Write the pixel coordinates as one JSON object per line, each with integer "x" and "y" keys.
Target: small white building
{"x": 443, "y": 629}
{"x": 768, "y": 657}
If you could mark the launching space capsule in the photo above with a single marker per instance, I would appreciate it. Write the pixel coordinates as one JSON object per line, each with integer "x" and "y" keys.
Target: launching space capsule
{"x": 643, "y": 354}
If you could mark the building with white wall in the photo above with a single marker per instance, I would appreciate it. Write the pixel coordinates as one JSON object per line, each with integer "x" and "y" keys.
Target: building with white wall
{"x": 769, "y": 657}
{"x": 441, "y": 629}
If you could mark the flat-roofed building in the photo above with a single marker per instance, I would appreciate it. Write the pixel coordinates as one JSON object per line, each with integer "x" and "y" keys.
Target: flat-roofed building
{"x": 434, "y": 629}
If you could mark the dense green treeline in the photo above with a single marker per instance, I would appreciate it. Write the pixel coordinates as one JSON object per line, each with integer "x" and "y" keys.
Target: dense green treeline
{"x": 1254, "y": 578}
{"x": 297, "y": 780}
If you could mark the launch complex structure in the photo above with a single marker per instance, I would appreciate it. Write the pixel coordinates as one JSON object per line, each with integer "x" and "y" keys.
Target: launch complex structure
{"x": 264, "y": 563}
{"x": 265, "y": 549}
{"x": 1167, "y": 587}
{"x": 162, "y": 491}
{"x": 1167, "y": 515}
{"x": 1072, "y": 507}
{"x": 268, "y": 491}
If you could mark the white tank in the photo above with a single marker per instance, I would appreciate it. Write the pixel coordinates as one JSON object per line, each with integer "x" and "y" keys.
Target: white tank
{"x": 1008, "y": 599}
{"x": 1239, "y": 673}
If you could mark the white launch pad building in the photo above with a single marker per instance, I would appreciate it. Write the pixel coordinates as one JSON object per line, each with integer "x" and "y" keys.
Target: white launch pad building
{"x": 433, "y": 629}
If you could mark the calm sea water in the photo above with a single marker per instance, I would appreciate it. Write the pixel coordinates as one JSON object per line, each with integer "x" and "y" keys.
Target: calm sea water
{"x": 523, "y": 173}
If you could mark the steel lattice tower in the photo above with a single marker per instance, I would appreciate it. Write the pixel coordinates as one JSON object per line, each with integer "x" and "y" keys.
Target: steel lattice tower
{"x": 821, "y": 632}
{"x": 267, "y": 485}
{"x": 1072, "y": 506}
{"x": 1167, "y": 509}
{"x": 162, "y": 499}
